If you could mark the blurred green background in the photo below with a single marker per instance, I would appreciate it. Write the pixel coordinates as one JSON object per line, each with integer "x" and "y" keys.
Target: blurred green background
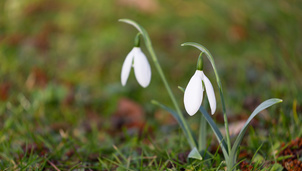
{"x": 257, "y": 46}
{"x": 60, "y": 59}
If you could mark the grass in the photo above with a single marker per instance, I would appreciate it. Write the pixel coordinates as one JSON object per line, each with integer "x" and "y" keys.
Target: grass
{"x": 60, "y": 88}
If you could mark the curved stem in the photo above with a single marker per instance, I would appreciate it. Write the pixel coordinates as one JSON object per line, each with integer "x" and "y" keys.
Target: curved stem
{"x": 148, "y": 43}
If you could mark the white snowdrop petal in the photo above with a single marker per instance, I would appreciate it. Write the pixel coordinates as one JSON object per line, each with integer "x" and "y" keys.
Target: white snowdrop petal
{"x": 142, "y": 68}
{"x": 127, "y": 67}
{"x": 210, "y": 93}
{"x": 193, "y": 94}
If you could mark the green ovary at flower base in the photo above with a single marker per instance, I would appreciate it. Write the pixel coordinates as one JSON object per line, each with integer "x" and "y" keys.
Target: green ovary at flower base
{"x": 136, "y": 59}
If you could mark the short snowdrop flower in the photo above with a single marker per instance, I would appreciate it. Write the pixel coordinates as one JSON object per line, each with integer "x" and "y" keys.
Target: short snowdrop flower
{"x": 136, "y": 59}
{"x": 194, "y": 91}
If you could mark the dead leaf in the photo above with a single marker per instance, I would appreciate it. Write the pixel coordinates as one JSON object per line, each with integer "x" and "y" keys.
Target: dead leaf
{"x": 245, "y": 166}
{"x": 294, "y": 149}
{"x": 129, "y": 114}
{"x": 34, "y": 9}
{"x": 70, "y": 97}
{"x": 39, "y": 149}
{"x": 250, "y": 103}
{"x": 234, "y": 128}
{"x": 165, "y": 118}
{"x": 13, "y": 39}
{"x": 237, "y": 33}
{"x": 40, "y": 40}
{"x": 37, "y": 78}
{"x": 4, "y": 91}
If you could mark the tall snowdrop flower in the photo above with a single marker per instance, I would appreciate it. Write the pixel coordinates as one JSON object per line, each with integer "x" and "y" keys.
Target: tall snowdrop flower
{"x": 136, "y": 59}
{"x": 194, "y": 91}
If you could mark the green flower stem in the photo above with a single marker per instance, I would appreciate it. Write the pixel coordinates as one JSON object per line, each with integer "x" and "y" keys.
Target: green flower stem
{"x": 202, "y": 134}
{"x": 148, "y": 44}
{"x": 210, "y": 57}
{"x": 202, "y": 143}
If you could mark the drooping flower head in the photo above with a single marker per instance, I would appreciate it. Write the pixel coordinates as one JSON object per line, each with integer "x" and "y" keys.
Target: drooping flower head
{"x": 194, "y": 91}
{"x": 136, "y": 59}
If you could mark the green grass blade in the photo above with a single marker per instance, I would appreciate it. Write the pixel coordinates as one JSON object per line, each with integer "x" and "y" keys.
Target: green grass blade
{"x": 261, "y": 107}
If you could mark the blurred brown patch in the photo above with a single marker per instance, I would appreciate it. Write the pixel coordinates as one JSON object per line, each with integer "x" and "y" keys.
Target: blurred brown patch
{"x": 245, "y": 166}
{"x": 165, "y": 118}
{"x": 57, "y": 126}
{"x": 129, "y": 114}
{"x": 293, "y": 149}
{"x": 235, "y": 127}
{"x": 93, "y": 118}
{"x": 37, "y": 78}
{"x": 237, "y": 33}
{"x": 42, "y": 6}
{"x": 70, "y": 153}
{"x": 148, "y": 6}
{"x": 39, "y": 149}
{"x": 41, "y": 39}
{"x": 4, "y": 91}
{"x": 235, "y": 119}
{"x": 70, "y": 97}
{"x": 244, "y": 155}
{"x": 250, "y": 103}
{"x": 182, "y": 157}
{"x": 13, "y": 39}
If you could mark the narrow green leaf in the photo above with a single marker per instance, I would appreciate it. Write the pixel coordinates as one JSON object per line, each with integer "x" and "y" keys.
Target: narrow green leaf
{"x": 194, "y": 154}
{"x": 216, "y": 131}
{"x": 261, "y": 107}
{"x": 256, "y": 157}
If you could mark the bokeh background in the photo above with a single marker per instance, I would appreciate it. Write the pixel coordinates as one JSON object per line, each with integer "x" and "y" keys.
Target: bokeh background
{"x": 60, "y": 61}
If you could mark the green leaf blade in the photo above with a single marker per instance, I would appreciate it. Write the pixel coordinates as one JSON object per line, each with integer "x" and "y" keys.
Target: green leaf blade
{"x": 216, "y": 132}
{"x": 260, "y": 108}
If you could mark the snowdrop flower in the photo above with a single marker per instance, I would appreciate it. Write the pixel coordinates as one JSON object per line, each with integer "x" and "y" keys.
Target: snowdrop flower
{"x": 136, "y": 59}
{"x": 194, "y": 91}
